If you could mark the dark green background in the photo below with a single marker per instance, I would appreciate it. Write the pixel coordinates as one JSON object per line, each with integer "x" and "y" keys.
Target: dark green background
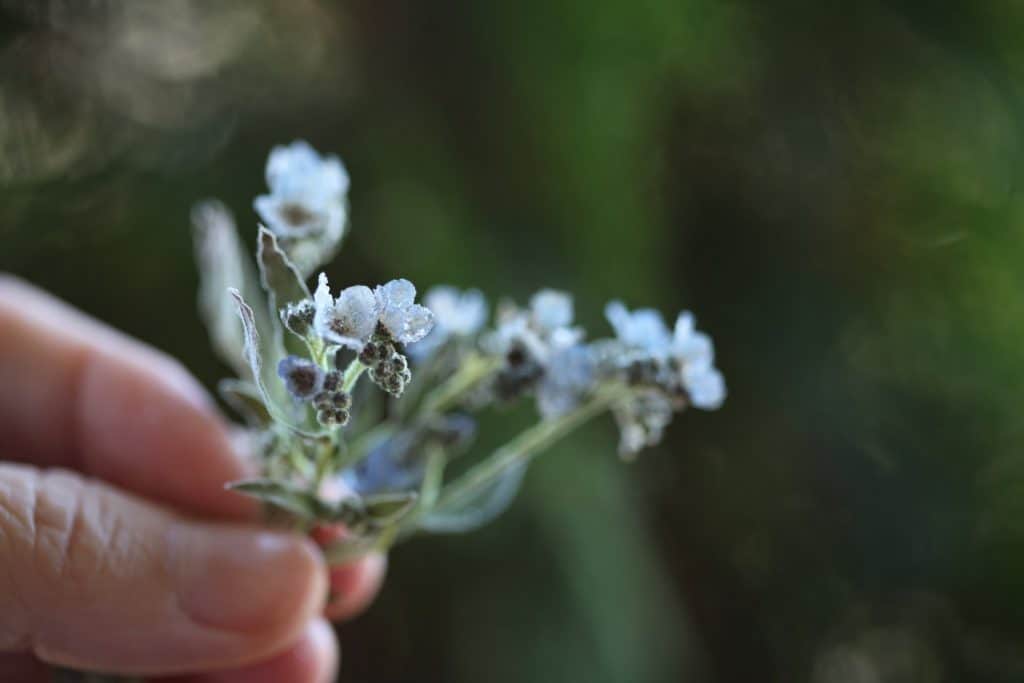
{"x": 834, "y": 191}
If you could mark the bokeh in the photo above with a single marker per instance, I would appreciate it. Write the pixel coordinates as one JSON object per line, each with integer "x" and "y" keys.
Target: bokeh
{"x": 831, "y": 187}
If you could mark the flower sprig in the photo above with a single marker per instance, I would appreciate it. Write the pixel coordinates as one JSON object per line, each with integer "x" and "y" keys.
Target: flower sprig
{"x": 373, "y": 455}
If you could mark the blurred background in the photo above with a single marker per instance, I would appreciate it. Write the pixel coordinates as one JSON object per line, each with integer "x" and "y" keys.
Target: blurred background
{"x": 833, "y": 188}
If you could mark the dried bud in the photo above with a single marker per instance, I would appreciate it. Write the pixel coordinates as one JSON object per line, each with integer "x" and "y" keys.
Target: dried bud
{"x": 302, "y": 377}
{"x": 332, "y": 381}
{"x": 298, "y": 317}
{"x": 332, "y": 417}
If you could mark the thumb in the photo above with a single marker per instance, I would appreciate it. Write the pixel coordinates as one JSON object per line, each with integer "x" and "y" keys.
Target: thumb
{"x": 95, "y": 579}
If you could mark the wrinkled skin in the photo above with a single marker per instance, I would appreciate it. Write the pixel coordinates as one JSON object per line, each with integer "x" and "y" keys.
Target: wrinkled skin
{"x": 120, "y": 550}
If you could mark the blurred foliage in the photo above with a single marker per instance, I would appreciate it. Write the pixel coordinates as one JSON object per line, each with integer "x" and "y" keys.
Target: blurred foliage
{"x": 831, "y": 187}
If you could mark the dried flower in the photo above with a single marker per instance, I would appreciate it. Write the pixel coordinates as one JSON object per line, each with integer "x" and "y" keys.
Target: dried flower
{"x": 302, "y": 378}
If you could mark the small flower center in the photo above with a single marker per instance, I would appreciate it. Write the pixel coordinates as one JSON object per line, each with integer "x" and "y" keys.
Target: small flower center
{"x": 296, "y": 214}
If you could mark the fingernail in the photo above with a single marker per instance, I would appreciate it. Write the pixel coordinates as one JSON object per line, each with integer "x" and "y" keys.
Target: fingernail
{"x": 241, "y": 580}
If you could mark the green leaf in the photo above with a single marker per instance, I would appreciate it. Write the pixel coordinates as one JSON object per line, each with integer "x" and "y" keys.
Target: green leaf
{"x": 472, "y": 512}
{"x": 281, "y": 495}
{"x": 244, "y": 398}
{"x": 283, "y": 284}
{"x": 223, "y": 264}
{"x": 384, "y": 509}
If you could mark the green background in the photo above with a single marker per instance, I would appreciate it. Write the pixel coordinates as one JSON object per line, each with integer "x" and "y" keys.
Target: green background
{"x": 834, "y": 191}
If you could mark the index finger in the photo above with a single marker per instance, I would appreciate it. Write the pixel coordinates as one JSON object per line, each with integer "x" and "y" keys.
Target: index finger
{"x": 77, "y": 394}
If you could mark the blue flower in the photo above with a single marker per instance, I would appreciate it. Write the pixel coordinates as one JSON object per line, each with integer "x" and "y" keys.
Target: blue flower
{"x": 302, "y": 378}
{"x": 695, "y": 354}
{"x": 683, "y": 355}
{"x": 393, "y": 464}
{"x": 307, "y": 194}
{"x": 643, "y": 328}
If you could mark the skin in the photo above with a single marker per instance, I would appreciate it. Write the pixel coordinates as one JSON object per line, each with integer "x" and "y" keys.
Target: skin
{"x": 120, "y": 550}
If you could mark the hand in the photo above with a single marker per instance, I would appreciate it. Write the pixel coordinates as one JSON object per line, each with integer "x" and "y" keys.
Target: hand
{"x": 120, "y": 550}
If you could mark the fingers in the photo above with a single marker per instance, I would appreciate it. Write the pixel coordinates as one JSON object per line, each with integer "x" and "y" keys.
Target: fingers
{"x": 79, "y": 395}
{"x": 354, "y": 586}
{"x": 314, "y": 659}
{"x": 23, "y": 668}
{"x": 96, "y": 579}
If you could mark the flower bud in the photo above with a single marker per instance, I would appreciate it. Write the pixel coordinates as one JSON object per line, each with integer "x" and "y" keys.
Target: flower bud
{"x": 303, "y": 378}
{"x": 298, "y": 317}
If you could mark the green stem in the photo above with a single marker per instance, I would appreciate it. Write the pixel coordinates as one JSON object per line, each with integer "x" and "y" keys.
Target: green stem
{"x": 475, "y": 369}
{"x": 351, "y": 376}
{"x": 527, "y": 445}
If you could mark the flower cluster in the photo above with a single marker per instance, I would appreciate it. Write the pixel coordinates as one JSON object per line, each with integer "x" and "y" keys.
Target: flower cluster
{"x": 374, "y": 456}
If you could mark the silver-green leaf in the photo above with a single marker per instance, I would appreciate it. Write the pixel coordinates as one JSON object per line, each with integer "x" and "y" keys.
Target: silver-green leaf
{"x": 281, "y": 495}
{"x": 460, "y": 516}
{"x": 283, "y": 284}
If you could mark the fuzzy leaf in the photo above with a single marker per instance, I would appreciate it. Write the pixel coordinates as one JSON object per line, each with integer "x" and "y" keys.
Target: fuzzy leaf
{"x": 466, "y": 515}
{"x": 281, "y": 495}
{"x": 283, "y": 284}
{"x": 387, "y": 508}
{"x": 222, "y": 264}
{"x": 244, "y": 398}
{"x": 263, "y": 370}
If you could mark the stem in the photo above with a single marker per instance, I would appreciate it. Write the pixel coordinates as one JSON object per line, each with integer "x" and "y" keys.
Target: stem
{"x": 527, "y": 445}
{"x": 351, "y": 376}
{"x": 474, "y": 370}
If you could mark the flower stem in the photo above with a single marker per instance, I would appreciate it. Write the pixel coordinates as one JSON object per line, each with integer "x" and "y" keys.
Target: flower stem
{"x": 351, "y": 376}
{"x": 527, "y": 445}
{"x": 474, "y": 369}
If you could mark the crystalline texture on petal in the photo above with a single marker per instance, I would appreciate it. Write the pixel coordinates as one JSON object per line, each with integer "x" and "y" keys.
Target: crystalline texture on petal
{"x": 324, "y": 305}
{"x": 397, "y": 294}
{"x": 407, "y": 322}
{"x": 418, "y": 323}
{"x": 355, "y": 314}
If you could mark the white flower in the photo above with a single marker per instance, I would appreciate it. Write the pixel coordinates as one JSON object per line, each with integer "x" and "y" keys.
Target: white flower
{"x": 541, "y": 330}
{"x": 460, "y": 313}
{"x": 706, "y": 387}
{"x": 695, "y": 354}
{"x": 551, "y": 309}
{"x": 643, "y": 328}
{"x": 407, "y": 321}
{"x": 549, "y": 353}
{"x": 456, "y": 314}
{"x": 307, "y": 194}
{"x": 690, "y": 352}
{"x": 349, "y": 320}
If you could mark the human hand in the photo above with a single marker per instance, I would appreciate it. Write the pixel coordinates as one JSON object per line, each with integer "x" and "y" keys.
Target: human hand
{"x": 120, "y": 550}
